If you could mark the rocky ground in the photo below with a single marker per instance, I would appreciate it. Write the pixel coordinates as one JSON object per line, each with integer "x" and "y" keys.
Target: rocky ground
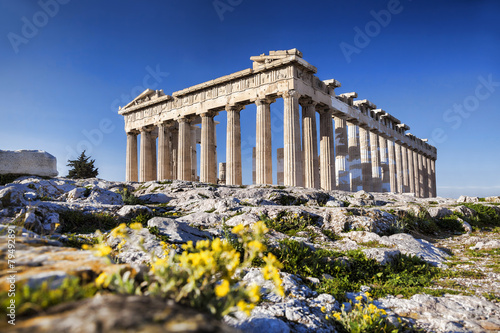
{"x": 51, "y": 218}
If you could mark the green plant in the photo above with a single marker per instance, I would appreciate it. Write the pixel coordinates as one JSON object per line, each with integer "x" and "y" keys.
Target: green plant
{"x": 288, "y": 223}
{"x": 364, "y": 317}
{"x": 330, "y": 234}
{"x": 155, "y": 231}
{"x": 75, "y": 221}
{"x": 487, "y": 216}
{"x": 129, "y": 198}
{"x": 33, "y": 300}
{"x": 83, "y": 167}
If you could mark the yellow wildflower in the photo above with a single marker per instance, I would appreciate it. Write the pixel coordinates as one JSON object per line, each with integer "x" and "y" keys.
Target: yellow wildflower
{"x": 123, "y": 242}
{"x": 217, "y": 245}
{"x": 256, "y": 246}
{"x": 222, "y": 289}
{"x": 238, "y": 229}
{"x": 254, "y": 294}
{"x": 136, "y": 226}
{"x": 102, "y": 250}
{"x": 245, "y": 307}
{"x": 102, "y": 280}
{"x": 359, "y": 298}
{"x": 119, "y": 231}
{"x": 260, "y": 227}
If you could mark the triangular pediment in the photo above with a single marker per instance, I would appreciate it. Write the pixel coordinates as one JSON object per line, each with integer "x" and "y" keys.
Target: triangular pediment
{"x": 145, "y": 96}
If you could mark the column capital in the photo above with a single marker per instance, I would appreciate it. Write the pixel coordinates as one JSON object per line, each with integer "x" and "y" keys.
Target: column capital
{"x": 149, "y": 128}
{"x": 234, "y": 107}
{"x": 209, "y": 114}
{"x": 306, "y": 101}
{"x": 323, "y": 109}
{"x": 133, "y": 132}
{"x": 166, "y": 123}
{"x": 186, "y": 119}
{"x": 264, "y": 100}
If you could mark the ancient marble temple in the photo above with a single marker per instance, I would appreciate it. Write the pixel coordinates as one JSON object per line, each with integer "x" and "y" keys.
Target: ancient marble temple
{"x": 359, "y": 145}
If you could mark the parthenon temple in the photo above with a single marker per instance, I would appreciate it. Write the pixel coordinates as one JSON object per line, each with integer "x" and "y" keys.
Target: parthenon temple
{"x": 359, "y": 147}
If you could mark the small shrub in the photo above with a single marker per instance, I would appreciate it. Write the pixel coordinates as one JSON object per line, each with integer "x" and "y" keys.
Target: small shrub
{"x": 207, "y": 276}
{"x": 363, "y": 317}
{"x": 288, "y": 223}
{"x": 33, "y": 300}
{"x": 155, "y": 231}
{"x": 330, "y": 234}
{"x": 129, "y": 198}
{"x": 75, "y": 221}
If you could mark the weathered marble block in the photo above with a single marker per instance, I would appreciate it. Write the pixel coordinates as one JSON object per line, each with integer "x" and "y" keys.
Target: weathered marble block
{"x": 29, "y": 162}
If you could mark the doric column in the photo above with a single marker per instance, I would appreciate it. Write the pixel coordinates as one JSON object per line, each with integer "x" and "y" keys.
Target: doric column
{"x": 174, "y": 145}
{"x": 433, "y": 178}
{"x": 263, "y": 144}
{"x": 208, "y": 172}
{"x": 145, "y": 155}
{"x": 253, "y": 165}
{"x": 392, "y": 166}
{"x": 354, "y": 157}
{"x": 233, "y": 145}
{"x": 279, "y": 166}
{"x": 131, "y": 158}
{"x": 153, "y": 162}
{"x": 194, "y": 152}
{"x": 222, "y": 172}
{"x": 384, "y": 162}
{"x": 366, "y": 164}
{"x": 404, "y": 157}
{"x": 164, "y": 152}
{"x": 375, "y": 167}
{"x": 326, "y": 159}
{"x": 420, "y": 176}
{"x": 429, "y": 177}
{"x": 425, "y": 178}
{"x": 411, "y": 171}
{"x": 291, "y": 140}
{"x": 399, "y": 167}
{"x": 416, "y": 173}
{"x": 341, "y": 165}
{"x": 184, "y": 150}
{"x": 310, "y": 143}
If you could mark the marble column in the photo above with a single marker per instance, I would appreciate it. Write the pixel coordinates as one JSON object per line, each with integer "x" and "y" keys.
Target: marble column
{"x": 411, "y": 171}
{"x": 175, "y": 150}
{"x": 233, "y": 145}
{"x": 194, "y": 152}
{"x": 164, "y": 152}
{"x": 208, "y": 171}
{"x": 153, "y": 162}
{"x": 326, "y": 159}
{"x": 420, "y": 176}
{"x": 263, "y": 144}
{"x": 433, "y": 178}
{"x": 145, "y": 156}
{"x": 184, "y": 150}
{"x": 429, "y": 178}
{"x": 291, "y": 138}
{"x": 399, "y": 167}
{"x": 354, "y": 158}
{"x": 366, "y": 164}
{"x": 131, "y": 158}
{"x": 404, "y": 156}
{"x": 310, "y": 144}
{"x": 392, "y": 166}
{"x": 341, "y": 165}
{"x": 222, "y": 173}
{"x": 384, "y": 163}
{"x": 375, "y": 165}
{"x": 416, "y": 173}
{"x": 280, "y": 168}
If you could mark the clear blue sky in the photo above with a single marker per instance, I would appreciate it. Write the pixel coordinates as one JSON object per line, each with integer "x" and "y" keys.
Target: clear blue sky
{"x": 65, "y": 69}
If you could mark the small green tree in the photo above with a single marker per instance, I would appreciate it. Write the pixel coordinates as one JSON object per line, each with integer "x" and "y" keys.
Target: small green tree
{"x": 83, "y": 167}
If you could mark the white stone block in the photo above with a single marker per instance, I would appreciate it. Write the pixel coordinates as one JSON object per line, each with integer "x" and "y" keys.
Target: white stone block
{"x": 29, "y": 162}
